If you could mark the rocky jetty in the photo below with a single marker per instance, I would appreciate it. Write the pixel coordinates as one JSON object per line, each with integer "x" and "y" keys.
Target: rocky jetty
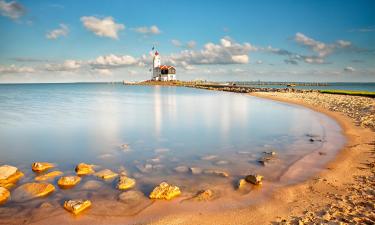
{"x": 49, "y": 175}
{"x": 68, "y": 181}
{"x": 9, "y": 175}
{"x": 4, "y": 195}
{"x": 77, "y": 206}
{"x": 41, "y": 166}
{"x": 106, "y": 174}
{"x": 84, "y": 169}
{"x": 125, "y": 183}
{"x": 165, "y": 191}
{"x": 31, "y": 190}
{"x": 254, "y": 179}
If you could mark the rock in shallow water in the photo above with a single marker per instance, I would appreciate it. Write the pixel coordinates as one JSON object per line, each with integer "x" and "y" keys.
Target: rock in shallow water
{"x": 181, "y": 169}
{"x": 6, "y": 171}
{"x": 76, "y": 206}
{"x": 216, "y": 172}
{"x": 68, "y": 181}
{"x": 254, "y": 179}
{"x": 165, "y": 191}
{"x": 9, "y": 175}
{"x": 92, "y": 185}
{"x": 125, "y": 183}
{"x": 204, "y": 195}
{"x": 4, "y": 195}
{"x": 84, "y": 169}
{"x": 195, "y": 170}
{"x": 242, "y": 183}
{"x": 106, "y": 174}
{"x": 32, "y": 190}
{"x": 41, "y": 166}
{"x": 131, "y": 197}
{"x": 48, "y": 176}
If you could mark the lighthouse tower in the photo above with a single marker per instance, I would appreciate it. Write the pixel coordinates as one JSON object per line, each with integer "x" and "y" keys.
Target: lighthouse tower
{"x": 156, "y": 66}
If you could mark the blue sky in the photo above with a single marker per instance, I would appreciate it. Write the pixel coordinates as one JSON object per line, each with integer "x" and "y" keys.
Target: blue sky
{"x": 65, "y": 41}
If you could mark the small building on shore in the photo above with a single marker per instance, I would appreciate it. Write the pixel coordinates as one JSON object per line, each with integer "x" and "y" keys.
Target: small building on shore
{"x": 162, "y": 72}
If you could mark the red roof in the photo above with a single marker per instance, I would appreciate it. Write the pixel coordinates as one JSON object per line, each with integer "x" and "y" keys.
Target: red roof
{"x": 165, "y": 67}
{"x": 156, "y": 53}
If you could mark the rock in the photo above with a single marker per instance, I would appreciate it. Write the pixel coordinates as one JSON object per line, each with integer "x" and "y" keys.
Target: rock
{"x": 266, "y": 159}
{"x": 204, "y": 195}
{"x": 271, "y": 153}
{"x": 254, "y": 179}
{"x": 165, "y": 191}
{"x": 41, "y": 166}
{"x": 131, "y": 197}
{"x": 92, "y": 185}
{"x": 125, "y": 183}
{"x": 76, "y": 206}
{"x": 216, "y": 172}
{"x": 106, "y": 174}
{"x": 84, "y": 169}
{"x": 68, "y": 181}
{"x": 147, "y": 168}
{"x": 48, "y": 176}
{"x": 195, "y": 170}
{"x": 242, "y": 183}
{"x": 221, "y": 162}
{"x": 181, "y": 169}
{"x": 209, "y": 157}
{"x": 4, "y": 195}
{"x": 32, "y": 190}
{"x": 9, "y": 175}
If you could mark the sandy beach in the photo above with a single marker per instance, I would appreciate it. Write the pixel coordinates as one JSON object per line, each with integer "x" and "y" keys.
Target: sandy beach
{"x": 342, "y": 193}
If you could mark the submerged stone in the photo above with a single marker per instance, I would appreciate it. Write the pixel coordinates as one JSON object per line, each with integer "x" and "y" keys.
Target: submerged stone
{"x": 76, "y": 206}
{"x": 68, "y": 181}
{"x": 242, "y": 183}
{"x": 181, "y": 169}
{"x": 195, "y": 170}
{"x": 92, "y": 185}
{"x": 84, "y": 169}
{"x": 48, "y": 176}
{"x": 9, "y": 175}
{"x": 204, "y": 195}
{"x": 125, "y": 183}
{"x": 41, "y": 166}
{"x": 165, "y": 191}
{"x": 4, "y": 195}
{"x": 254, "y": 179}
{"x": 131, "y": 197}
{"x": 32, "y": 190}
{"x": 106, "y": 174}
{"x": 209, "y": 157}
{"x": 216, "y": 172}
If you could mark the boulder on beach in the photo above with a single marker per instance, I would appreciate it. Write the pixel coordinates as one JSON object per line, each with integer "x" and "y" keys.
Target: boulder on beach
{"x": 48, "y": 176}
{"x": 165, "y": 191}
{"x": 204, "y": 195}
{"x": 9, "y": 175}
{"x": 76, "y": 206}
{"x": 254, "y": 179}
{"x": 32, "y": 190}
{"x": 106, "y": 174}
{"x": 68, "y": 181}
{"x": 4, "y": 195}
{"x": 125, "y": 183}
{"x": 216, "y": 172}
{"x": 84, "y": 169}
{"x": 41, "y": 166}
{"x": 131, "y": 197}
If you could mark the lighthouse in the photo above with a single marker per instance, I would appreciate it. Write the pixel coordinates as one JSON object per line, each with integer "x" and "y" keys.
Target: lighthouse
{"x": 162, "y": 72}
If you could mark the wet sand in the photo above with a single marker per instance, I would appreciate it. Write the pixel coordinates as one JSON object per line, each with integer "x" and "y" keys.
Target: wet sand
{"x": 271, "y": 206}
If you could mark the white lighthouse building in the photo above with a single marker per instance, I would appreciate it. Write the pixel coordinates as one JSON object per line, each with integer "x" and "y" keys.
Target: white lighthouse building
{"x": 162, "y": 72}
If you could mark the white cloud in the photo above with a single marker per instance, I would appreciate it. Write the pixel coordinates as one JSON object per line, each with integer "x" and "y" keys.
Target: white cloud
{"x": 349, "y": 69}
{"x": 105, "y": 72}
{"x": 68, "y": 65}
{"x": 112, "y": 60}
{"x": 62, "y": 31}
{"x": 11, "y": 9}
{"x": 176, "y": 43}
{"x": 105, "y": 27}
{"x": 15, "y": 69}
{"x": 148, "y": 30}
{"x": 320, "y": 48}
{"x": 344, "y": 44}
{"x": 259, "y": 62}
{"x": 189, "y": 45}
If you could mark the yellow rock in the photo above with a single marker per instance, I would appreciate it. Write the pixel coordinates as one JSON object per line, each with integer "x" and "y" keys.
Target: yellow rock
{"x": 204, "y": 195}
{"x": 125, "y": 183}
{"x": 32, "y": 190}
{"x": 68, "y": 181}
{"x": 76, "y": 206}
{"x": 84, "y": 169}
{"x": 11, "y": 180}
{"x": 254, "y": 179}
{"x": 6, "y": 171}
{"x": 165, "y": 191}
{"x": 242, "y": 183}
{"x": 48, "y": 176}
{"x": 4, "y": 195}
{"x": 106, "y": 174}
{"x": 41, "y": 166}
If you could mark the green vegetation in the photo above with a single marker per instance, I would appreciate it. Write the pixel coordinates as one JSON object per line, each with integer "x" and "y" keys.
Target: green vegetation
{"x": 344, "y": 92}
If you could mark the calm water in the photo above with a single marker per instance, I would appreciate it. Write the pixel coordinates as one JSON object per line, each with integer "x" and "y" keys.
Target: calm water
{"x": 165, "y": 127}
{"x": 331, "y": 86}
